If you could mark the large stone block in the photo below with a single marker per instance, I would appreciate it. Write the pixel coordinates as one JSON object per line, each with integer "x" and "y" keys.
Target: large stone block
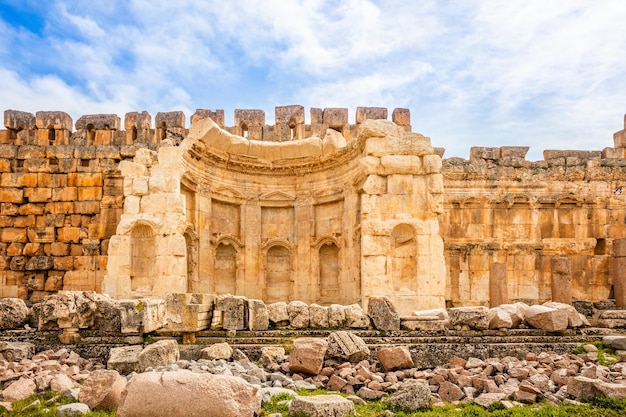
{"x": 57, "y": 120}
{"x": 307, "y": 355}
{"x": 383, "y": 314}
{"x": 234, "y": 311}
{"x": 98, "y": 122}
{"x": 18, "y": 120}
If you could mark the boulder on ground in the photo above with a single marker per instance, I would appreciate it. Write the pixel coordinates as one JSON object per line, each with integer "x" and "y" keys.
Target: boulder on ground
{"x": 72, "y": 410}
{"x": 396, "y": 357}
{"x": 321, "y": 406}
{"x": 383, "y": 314}
{"x": 102, "y": 390}
{"x": 307, "y": 355}
{"x": 217, "y": 351}
{"x": 413, "y": 395}
{"x": 19, "y": 390}
{"x": 583, "y": 388}
{"x": 272, "y": 354}
{"x": 13, "y": 313}
{"x": 185, "y": 393}
{"x": 546, "y": 318}
{"x": 16, "y": 351}
{"x": 476, "y": 318}
{"x": 348, "y": 346}
{"x": 161, "y": 353}
{"x": 124, "y": 359}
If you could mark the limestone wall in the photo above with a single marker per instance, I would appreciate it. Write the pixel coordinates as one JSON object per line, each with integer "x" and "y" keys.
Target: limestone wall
{"x": 325, "y": 212}
{"x": 501, "y": 208}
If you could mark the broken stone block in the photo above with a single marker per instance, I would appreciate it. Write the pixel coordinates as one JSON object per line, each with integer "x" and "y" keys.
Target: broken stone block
{"x": 99, "y": 122}
{"x": 234, "y": 310}
{"x": 337, "y": 316}
{"x": 321, "y": 406}
{"x": 272, "y": 354}
{"x": 19, "y": 120}
{"x": 356, "y": 318}
{"x": 383, "y": 314}
{"x": 102, "y": 390}
{"x": 189, "y": 312}
{"x": 278, "y": 314}
{"x": 16, "y": 351}
{"x": 546, "y": 318}
{"x": 143, "y": 315}
{"x": 348, "y": 346}
{"x": 396, "y": 357}
{"x": 13, "y": 313}
{"x": 476, "y": 318}
{"x": 258, "y": 317}
{"x": 307, "y": 355}
{"x": 124, "y": 359}
{"x": 413, "y": 395}
{"x": 298, "y": 314}
{"x": 318, "y": 316}
{"x": 217, "y": 351}
{"x": 161, "y": 353}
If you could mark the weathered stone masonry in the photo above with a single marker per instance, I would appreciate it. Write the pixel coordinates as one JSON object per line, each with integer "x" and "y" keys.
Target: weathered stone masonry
{"x": 324, "y": 212}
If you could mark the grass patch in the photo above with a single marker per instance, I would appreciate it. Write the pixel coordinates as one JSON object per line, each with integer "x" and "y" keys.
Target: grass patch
{"x": 44, "y": 405}
{"x": 600, "y": 407}
{"x": 606, "y": 356}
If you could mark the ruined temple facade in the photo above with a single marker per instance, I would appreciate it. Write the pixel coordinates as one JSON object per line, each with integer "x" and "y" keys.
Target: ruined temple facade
{"x": 324, "y": 212}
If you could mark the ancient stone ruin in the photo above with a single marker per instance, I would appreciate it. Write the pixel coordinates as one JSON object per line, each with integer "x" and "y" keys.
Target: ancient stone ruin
{"x": 325, "y": 212}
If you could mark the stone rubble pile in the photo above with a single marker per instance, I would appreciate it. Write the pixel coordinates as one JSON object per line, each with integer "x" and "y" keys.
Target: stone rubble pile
{"x": 139, "y": 381}
{"x": 188, "y": 313}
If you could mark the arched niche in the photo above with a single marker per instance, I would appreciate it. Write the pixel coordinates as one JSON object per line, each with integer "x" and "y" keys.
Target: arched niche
{"x": 142, "y": 262}
{"x": 225, "y": 268}
{"x": 404, "y": 259}
{"x": 330, "y": 289}
{"x": 277, "y": 274}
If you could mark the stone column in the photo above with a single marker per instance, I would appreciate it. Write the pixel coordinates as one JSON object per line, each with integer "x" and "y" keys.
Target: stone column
{"x": 498, "y": 285}
{"x": 619, "y": 272}
{"x": 561, "y": 280}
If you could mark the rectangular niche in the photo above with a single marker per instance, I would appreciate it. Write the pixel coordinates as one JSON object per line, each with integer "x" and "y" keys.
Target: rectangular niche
{"x": 277, "y": 223}
{"x": 328, "y": 218}
{"x": 225, "y": 218}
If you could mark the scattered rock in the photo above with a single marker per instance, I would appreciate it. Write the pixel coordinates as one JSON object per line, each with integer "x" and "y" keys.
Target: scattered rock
{"x": 307, "y": 355}
{"x": 321, "y": 406}
{"x": 73, "y": 410}
{"x": 19, "y": 390}
{"x": 614, "y": 342}
{"x": 217, "y": 351}
{"x": 412, "y": 395}
{"x": 272, "y": 354}
{"x": 161, "y": 353}
{"x": 397, "y": 357}
{"x": 13, "y": 313}
{"x": 124, "y": 359}
{"x": 102, "y": 390}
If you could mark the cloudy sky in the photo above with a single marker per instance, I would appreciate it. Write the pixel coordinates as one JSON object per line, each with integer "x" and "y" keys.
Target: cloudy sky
{"x": 544, "y": 74}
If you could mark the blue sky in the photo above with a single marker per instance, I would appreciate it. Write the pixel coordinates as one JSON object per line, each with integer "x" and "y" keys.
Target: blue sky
{"x": 544, "y": 74}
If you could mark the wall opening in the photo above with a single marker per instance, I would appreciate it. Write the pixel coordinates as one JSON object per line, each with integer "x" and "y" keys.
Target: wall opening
{"x": 91, "y": 134}
{"x": 404, "y": 259}
{"x": 329, "y": 273}
{"x": 292, "y": 129}
{"x": 51, "y": 136}
{"x": 277, "y": 274}
{"x": 225, "y": 269}
{"x": 244, "y": 130}
{"x": 600, "y": 248}
{"x": 133, "y": 134}
{"x": 142, "y": 263}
